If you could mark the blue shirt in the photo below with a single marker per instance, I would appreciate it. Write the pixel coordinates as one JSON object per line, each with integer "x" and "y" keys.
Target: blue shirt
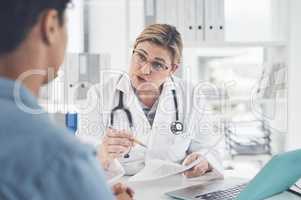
{"x": 39, "y": 161}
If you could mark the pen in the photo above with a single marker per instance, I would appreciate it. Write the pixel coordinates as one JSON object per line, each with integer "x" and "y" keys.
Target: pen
{"x": 134, "y": 140}
{"x": 138, "y": 142}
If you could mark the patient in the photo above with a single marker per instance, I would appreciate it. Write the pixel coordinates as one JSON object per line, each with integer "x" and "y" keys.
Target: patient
{"x": 39, "y": 160}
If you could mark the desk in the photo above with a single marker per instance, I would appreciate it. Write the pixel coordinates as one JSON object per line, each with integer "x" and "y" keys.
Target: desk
{"x": 154, "y": 190}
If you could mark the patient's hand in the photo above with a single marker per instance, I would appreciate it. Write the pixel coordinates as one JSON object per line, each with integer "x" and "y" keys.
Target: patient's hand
{"x": 198, "y": 170}
{"x": 122, "y": 192}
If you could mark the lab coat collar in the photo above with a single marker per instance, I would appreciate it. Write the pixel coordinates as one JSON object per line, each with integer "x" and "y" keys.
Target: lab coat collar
{"x": 124, "y": 84}
{"x": 169, "y": 84}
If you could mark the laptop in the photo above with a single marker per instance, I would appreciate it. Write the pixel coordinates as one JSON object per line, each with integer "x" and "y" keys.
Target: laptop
{"x": 278, "y": 175}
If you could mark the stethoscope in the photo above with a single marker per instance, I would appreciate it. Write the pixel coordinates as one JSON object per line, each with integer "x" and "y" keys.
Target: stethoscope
{"x": 176, "y": 127}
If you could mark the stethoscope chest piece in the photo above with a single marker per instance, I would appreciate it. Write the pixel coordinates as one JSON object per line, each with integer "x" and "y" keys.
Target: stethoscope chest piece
{"x": 176, "y": 127}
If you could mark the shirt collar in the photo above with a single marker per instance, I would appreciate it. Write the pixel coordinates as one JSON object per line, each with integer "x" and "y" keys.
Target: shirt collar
{"x": 14, "y": 91}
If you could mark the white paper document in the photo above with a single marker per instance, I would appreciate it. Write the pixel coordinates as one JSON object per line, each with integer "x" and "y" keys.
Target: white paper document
{"x": 157, "y": 169}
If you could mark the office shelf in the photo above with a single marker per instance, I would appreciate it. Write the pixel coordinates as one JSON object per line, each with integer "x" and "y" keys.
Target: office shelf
{"x": 266, "y": 44}
{"x": 244, "y": 100}
{"x": 52, "y": 106}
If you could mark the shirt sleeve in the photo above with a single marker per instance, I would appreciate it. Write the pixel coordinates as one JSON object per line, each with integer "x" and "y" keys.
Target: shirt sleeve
{"x": 76, "y": 179}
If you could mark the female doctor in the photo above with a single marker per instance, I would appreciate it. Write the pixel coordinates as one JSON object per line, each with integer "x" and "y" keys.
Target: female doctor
{"x": 153, "y": 106}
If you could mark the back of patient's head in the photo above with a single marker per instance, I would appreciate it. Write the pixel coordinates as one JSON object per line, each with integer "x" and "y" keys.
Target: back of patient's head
{"x": 18, "y": 17}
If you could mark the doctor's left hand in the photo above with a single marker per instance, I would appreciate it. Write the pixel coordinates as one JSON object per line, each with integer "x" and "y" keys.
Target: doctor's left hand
{"x": 198, "y": 170}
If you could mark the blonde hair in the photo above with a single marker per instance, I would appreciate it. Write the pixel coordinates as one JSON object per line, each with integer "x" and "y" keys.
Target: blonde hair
{"x": 165, "y": 36}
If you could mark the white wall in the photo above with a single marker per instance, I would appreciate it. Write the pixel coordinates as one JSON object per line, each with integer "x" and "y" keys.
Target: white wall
{"x": 107, "y": 30}
{"x": 248, "y": 20}
{"x": 294, "y": 77}
{"x": 75, "y": 27}
{"x": 109, "y": 33}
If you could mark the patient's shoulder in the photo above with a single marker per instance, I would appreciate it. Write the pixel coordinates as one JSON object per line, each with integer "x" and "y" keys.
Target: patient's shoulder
{"x": 28, "y": 147}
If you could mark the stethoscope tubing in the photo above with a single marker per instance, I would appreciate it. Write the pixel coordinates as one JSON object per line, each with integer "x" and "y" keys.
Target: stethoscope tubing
{"x": 173, "y": 127}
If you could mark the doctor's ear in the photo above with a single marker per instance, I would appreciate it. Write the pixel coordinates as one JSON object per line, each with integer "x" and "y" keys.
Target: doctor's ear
{"x": 174, "y": 68}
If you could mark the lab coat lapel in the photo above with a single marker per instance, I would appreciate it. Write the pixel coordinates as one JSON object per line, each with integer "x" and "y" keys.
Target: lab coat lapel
{"x": 141, "y": 127}
{"x": 131, "y": 101}
{"x": 165, "y": 111}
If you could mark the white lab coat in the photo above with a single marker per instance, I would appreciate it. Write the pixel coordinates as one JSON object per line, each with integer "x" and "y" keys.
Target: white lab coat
{"x": 162, "y": 144}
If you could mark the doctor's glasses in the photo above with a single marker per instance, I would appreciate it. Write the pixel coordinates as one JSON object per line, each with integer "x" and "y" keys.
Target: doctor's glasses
{"x": 141, "y": 59}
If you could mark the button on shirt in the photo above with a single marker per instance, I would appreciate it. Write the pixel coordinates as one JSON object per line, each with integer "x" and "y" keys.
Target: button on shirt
{"x": 39, "y": 161}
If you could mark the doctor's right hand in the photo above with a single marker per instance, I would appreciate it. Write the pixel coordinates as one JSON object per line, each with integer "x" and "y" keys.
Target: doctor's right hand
{"x": 114, "y": 144}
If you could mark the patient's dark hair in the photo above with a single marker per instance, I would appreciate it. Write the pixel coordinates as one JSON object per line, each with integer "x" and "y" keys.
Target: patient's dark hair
{"x": 18, "y": 17}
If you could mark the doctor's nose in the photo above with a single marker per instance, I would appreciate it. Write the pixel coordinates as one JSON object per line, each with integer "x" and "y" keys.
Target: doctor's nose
{"x": 146, "y": 69}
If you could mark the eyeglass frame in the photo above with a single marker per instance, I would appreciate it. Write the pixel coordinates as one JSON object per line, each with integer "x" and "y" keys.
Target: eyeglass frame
{"x": 166, "y": 67}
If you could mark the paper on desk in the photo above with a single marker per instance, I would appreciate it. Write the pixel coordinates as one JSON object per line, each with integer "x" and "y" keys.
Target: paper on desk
{"x": 114, "y": 173}
{"x": 157, "y": 169}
